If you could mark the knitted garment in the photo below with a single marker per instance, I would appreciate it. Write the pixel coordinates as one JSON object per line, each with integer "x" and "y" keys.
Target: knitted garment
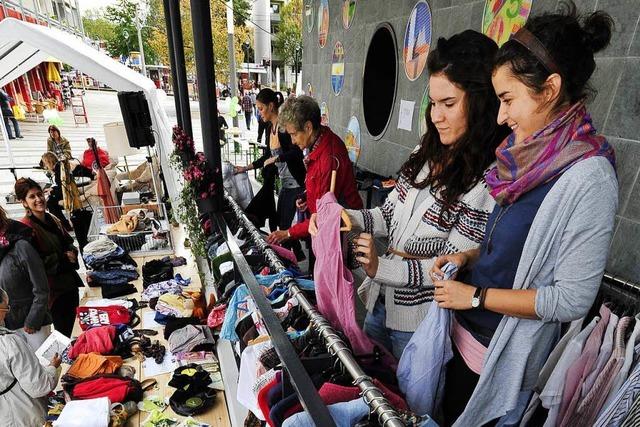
{"x": 414, "y": 227}
{"x": 546, "y": 154}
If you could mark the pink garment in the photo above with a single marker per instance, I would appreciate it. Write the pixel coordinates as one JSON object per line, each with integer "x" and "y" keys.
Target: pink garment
{"x": 334, "y": 282}
{"x": 580, "y": 369}
{"x": 470, "y": 348}
{"x": 284, "y": 253}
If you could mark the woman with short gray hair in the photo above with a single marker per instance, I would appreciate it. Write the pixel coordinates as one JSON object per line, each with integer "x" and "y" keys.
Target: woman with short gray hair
{"x": 324, "y": 152}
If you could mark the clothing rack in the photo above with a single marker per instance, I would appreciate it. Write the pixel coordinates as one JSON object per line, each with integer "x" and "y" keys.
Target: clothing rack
{"x": 387, "y": 415}
{"x": 614, "y": 280}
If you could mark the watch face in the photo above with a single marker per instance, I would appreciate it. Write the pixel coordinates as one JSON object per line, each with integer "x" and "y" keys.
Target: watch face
{"x": 475, "y": 302}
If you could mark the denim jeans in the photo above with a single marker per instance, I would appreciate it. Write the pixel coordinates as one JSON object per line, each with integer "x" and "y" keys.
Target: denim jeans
{"x": 392, "y": 340}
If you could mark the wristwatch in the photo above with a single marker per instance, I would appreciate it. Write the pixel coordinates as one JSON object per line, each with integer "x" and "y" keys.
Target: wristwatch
{"x": 475, "y": 301}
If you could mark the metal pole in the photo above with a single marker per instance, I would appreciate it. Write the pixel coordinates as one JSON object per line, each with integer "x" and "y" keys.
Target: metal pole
{"x": 205, "y": 69}
{"x": 232, "y": 57}
{"x": 141, "y": 47}
{"x": 172, "y": 61}
{"x": 387, "y": 415}
{"x": 180, "y": 87}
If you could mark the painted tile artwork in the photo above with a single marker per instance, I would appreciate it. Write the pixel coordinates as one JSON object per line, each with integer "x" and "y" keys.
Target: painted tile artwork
{"x": 337, "y": 68}
{"x": 352, "y": 139}
{"x": 308, "y": 16}
{"x": 324, "y": 114}
{"x": 502, "y": 18}
{"x": 323, "y": 22}
{"x": 417, "y": 40}
{"x": 348, "y": 12}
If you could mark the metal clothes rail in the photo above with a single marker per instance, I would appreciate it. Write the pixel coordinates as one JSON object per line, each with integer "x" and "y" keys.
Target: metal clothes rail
{"x": 620, "y": 282}
{"x": 387, "y": 415}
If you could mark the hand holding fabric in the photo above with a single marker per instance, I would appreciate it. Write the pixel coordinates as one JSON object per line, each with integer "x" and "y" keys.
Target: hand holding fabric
{"x": 453, "y": 295}
{"x": 313, "y": 225}
{"x": 368, "y": 255}
{"x": 277, "y": 237}
{"x": 461, "y": 259}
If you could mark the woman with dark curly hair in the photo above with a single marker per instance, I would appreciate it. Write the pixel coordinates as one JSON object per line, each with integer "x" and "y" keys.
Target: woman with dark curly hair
{"x": 440, "y": 203}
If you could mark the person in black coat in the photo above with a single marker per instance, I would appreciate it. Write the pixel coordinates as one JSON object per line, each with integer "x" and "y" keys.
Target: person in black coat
{"x": 7, "y": 114}
{"x": 282, "y": 156}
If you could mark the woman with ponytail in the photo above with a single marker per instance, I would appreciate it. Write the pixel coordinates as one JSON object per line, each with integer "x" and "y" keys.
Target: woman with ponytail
{"x": 543, "y": 256}
{"x": 281, "y": 156}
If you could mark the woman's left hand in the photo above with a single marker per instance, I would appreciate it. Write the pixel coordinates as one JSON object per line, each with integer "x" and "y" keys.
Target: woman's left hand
{"x": 368, "y": 256}
{"x": 453, "y": 295}
{"x": 71, "y": 256}
{"x": 278, "y": 236}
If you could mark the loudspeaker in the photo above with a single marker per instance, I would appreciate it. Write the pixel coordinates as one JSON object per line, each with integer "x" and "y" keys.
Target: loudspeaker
{"x": 137, "y": 119}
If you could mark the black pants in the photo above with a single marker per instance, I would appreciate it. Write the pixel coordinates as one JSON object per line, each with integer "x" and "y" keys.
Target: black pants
{"x": 54, "y": 208}
{"x": 247, "y": 118}
{"x": 458, "y": 388}
{"x": 63, "y": 312}
{"x": 286, "y": 211}
{"x": 261, "y": 127}
{"x": 16, "y": 127}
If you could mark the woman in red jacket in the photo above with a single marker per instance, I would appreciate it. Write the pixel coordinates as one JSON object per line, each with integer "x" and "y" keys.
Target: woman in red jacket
{"x": 324, "y": 152}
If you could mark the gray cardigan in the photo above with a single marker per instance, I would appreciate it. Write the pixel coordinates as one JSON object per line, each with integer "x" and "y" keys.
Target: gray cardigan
{"x": 564, "y": 259}
{"x": 23, "y": 277}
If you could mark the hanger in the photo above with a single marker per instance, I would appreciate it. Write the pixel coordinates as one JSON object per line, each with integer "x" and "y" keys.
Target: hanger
{"x": 346, "y": 221}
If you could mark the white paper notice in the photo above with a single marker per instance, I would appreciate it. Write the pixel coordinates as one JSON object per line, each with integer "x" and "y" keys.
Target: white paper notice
{"x": 148, "y": 320}
{"x": 151, "y": 368}
{"x": 55, "y": 343}
{"x": 405, "y": 117}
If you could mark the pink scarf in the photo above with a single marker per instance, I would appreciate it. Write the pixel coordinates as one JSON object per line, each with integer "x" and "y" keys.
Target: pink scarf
{"x": 545, "y": 155}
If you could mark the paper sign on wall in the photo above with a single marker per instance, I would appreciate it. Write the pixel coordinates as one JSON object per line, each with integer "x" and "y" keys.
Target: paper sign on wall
{"x": 405, "y": 117}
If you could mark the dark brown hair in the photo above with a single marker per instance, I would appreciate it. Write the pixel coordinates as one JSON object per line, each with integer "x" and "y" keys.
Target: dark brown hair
{"x": 465, "y": 59}
{"x": 22, "y": 187}
{"x": 54, "y": 127}
{"x": 570, "y": 40}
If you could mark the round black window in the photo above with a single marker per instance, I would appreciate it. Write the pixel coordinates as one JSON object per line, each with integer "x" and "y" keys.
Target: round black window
{"x": 379, "y": 81}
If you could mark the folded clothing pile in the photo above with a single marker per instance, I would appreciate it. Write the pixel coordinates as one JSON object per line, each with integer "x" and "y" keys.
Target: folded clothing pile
{"x": 155, "y": 271}
{"x": 111, "y": 268}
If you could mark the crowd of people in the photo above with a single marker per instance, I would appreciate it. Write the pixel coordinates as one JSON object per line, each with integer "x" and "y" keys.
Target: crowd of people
{"x": 511, "y": 183}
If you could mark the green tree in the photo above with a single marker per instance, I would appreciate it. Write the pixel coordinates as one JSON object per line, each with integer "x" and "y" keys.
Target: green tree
{"x": 123, "y": 16}
{"x": 289, "y": 39}
{"x": 96, "y": 27}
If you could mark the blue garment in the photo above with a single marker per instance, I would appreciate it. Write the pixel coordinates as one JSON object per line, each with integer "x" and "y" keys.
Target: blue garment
{"x": 422, "y": 382}
{"x": 506, "y": 233}
{"x": 99, "y": 276}
{"x": 90, "y": 259}
{"x": 392, "y": 340}
{"x": 345, "y": 414}
{"x": 270, "y": 279}
{"x": 228, "y": 330}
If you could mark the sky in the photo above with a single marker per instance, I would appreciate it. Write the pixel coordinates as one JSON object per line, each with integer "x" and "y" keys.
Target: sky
{"x": 94, "y": 4}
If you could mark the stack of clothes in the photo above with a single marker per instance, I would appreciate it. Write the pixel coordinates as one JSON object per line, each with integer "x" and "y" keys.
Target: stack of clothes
{"x": 111, "y": 268}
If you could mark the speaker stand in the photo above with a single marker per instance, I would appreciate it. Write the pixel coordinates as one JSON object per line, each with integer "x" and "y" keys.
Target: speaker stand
{"x": 153, "y": 176}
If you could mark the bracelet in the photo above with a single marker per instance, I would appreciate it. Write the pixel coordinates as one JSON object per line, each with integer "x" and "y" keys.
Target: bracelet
{"x": 483, "y": 295}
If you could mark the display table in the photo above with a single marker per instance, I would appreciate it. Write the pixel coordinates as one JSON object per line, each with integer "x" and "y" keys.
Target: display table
{"x": 217, "y": 415}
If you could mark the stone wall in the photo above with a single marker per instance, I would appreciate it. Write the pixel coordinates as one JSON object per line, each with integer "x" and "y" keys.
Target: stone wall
{"x": 615, "y": 109}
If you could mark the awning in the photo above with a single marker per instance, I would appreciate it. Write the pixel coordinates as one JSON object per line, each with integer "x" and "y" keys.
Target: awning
{"x": 24, "y": 45}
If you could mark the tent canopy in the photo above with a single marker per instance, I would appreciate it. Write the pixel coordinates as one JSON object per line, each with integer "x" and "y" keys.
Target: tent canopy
{"x": 24, "y": 45}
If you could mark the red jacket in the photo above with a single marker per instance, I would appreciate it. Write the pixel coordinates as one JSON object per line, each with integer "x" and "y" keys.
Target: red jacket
{"x": 320, "y": 164}
{"x": 88, "y": 158}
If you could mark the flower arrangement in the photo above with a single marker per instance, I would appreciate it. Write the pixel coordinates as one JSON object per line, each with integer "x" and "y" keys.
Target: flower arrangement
{"x": 199, "y": 186}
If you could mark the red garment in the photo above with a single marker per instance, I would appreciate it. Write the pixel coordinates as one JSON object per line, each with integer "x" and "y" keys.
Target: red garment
{"x": 333, "y": 393}
{"x": 116, "y": 389}
{"x": 321, "y": 162}
{"x": 96, "y": 340}
{"x": 262, "y": 399}
{"x": 88, "y": 158}
{"x": 97, "y": 316}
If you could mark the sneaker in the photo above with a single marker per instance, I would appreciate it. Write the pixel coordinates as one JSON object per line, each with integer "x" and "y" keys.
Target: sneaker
{"x": 20, "y": 137}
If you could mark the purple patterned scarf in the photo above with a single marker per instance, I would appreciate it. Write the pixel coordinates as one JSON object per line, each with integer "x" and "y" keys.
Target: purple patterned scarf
{"x": 545, "y": 155}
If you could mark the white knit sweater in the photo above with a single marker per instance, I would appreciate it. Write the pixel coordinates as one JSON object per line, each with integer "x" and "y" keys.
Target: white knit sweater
{"x": 406, "y": 284}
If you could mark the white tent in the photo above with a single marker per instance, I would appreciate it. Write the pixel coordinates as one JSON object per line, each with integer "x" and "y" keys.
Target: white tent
{"x": 24, "y": 45}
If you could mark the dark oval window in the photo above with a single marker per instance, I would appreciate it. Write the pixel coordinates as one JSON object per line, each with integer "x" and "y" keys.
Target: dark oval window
{"x": 379, "y": 81}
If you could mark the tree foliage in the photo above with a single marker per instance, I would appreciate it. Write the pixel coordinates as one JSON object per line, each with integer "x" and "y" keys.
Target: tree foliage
{"x": 125, "y": 37}
{"x": 96, "y": 27}
{"x": 290, "y": 36}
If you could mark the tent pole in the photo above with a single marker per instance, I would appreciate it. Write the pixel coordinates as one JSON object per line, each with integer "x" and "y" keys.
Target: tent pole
{"x": 172, "y": 61}
{"x": 181, "y": 70}
{"x": 205, "y": 69}
{"x": 5, "y": 136}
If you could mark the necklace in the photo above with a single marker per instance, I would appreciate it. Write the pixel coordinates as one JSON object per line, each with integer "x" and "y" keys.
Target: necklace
{"x": 502, "y": 213}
